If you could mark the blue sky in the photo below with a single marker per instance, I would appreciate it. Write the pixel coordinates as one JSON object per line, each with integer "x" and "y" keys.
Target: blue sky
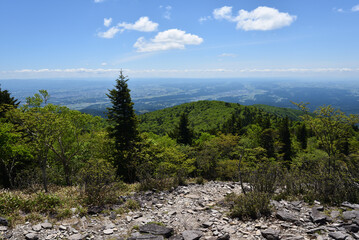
{"x": 172, "y": 38}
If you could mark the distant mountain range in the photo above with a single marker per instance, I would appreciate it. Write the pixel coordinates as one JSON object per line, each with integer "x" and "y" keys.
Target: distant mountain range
{"x": 153, "y": 94}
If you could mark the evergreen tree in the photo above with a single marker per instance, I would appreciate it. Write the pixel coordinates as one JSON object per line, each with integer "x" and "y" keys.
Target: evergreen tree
{"x": 5, "y": 101}
{"x": 123, "y": 127}
{"x": 284, "y": 135}
{"x": 267, "y": 142}
{"x": 303, "y": 136}
{"x": 183, "y": 133}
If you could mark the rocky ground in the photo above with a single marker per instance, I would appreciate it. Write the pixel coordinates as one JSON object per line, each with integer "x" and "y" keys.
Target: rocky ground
{"x": 191, "y": 212}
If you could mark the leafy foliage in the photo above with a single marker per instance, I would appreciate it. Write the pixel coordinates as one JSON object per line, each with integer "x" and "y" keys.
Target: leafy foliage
{"x": 250, "y": 206}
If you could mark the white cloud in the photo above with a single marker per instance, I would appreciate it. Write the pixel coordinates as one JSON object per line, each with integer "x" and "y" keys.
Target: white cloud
{"x": 355, "y": 8}
{"x": 223, "y": 13}
{"x": 170, "y": 39}
{"x": 143, "y": 25}
{"x": 98, "y": 1}
{"x": 107, "y": 22}
{"x": 209, "y": 72}
{"x": 262, "y": 18}
{"x": 104, "y": 64}
{"x": 109, "y": 33}
{"x": 167, "y": 13}
{"x": 228, "y": 55}
{"x": 203, "y": 19}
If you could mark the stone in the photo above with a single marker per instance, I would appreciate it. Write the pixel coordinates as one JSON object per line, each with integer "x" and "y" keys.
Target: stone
{"x": 350, "y": 205}
{"x": 352, "y": 228}
{"x": 224, "y": 237}
{"x": 207, "y": 224}
{"x": 4, "y": 222}
{"x": 286, "y": 216}
{"x": 46, "y": 225}
{"x": 270, "y": 234}
{"x": 108, "y": 231}
{"x": 349, "y": 215}
{"x": 335, "y": 214}
{"x": 146, "y": 237}
{"x": 338, "y": 235}
{"x": 318, "y": 217}
{"x": 156, "y": 230}
{"x": 113, "y": 215}
{"x": 37, "y": 228}
{"x": 77, "y": 236}
{"x": 31, "y": 236}
{"x": 94, "y": 210}
{"x": 3, "y": 228}
{"x": 176, "y": 237}
{"x": 62, "y": 227}
{"x": 191, "y": 235}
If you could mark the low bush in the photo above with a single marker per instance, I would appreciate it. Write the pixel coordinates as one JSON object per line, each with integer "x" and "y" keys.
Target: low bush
{"x": 252, "y": 205}
{"x": 98, "y": 181}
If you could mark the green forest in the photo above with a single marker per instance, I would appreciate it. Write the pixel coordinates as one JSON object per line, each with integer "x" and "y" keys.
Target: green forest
{"x": 53, "y": 158}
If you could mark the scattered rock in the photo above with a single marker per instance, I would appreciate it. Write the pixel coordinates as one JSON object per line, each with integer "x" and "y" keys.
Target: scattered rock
{"x": 338, "y": 235}
{"x": 191, "y": 235}
{"x": 286, "y": 216}
{"x": 156, "y": 229}
{"x": 77, "y": 237}
{"x": 94, "y": 210}
{"x": 108, "y": 231}
{"x": 3, "y": 228}
{"x": 147, "y": 237}
{"x": 318, "y": 217}
{"x": 31, "y": 236}
{"x": 270, "y": 234}
{"x": 37, "y": 228}
{"x": 46, "y": 225}
{"x": 349, "y": 205}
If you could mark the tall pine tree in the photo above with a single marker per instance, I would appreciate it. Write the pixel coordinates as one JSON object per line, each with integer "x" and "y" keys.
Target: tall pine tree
{"x": 123, "y": 128}
{"x": 6, "y": 101}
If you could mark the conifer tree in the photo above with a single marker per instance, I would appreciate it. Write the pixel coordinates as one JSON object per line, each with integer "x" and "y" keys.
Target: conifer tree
{"x": 183, "y": 133}
{"x": 284, "y": 135}
{"x": 5, "y": 101}
{"x": 123, "y": 127}
{"x": 303, "y": 136}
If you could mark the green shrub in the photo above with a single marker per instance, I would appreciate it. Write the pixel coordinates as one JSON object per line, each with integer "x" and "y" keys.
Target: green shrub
{"x": 98, "y": 183}
{"x": 45, "y": 202}
{"x": 253, "y": 205}
{"x": 10, "y": 203}
{"x": 132, "y": 204}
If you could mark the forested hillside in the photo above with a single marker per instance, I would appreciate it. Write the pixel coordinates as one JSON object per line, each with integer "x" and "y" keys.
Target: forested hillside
{"x": 207, "y": 116}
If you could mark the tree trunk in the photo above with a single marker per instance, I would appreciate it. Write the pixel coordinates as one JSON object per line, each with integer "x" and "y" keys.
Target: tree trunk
{"x": 43, "y": 169}
{"x": 240, "y": 173}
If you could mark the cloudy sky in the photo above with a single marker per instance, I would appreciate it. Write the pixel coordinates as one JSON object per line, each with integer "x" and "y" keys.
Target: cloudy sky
{"x": 179, "y": 38}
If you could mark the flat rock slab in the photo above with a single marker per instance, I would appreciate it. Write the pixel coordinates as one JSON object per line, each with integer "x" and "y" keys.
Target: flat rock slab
{"x": 156, "y": 229}
{"x": 31, "y": 236}
{"x": 46, "y": 225}
{"x": 37, "y": 228}
{"x": 318, "y": 217}
{"x": 3, "y": 228}
{"x": 349, "y": 215}
{"x": 77, "y": 237}
{"x": 338, "y": 235}
{"x": 350, "y": 205}
{"x": 286, "y": 216}
{"x": 147, "y": 237}
{"x": 191, "y": 235}
{"x": 270, "y": 234}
